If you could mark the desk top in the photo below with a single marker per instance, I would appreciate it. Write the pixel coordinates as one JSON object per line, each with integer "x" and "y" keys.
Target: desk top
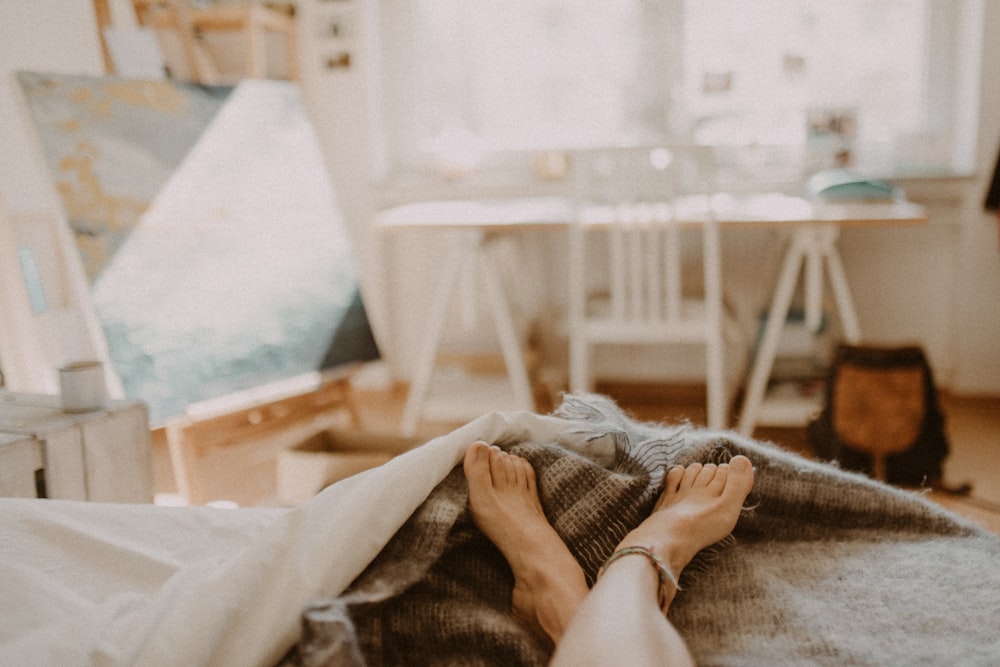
{"x": 760, "y": 210}
{"x": 779, "y": 210}
{"x": 42, "y": 413}
{"x": 11, "y": 438}
{"x": 508, "y": 214}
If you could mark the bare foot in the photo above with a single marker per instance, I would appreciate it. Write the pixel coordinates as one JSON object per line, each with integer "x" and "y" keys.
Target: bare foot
{"x": 549, "y": 584}
{"x": 699, "y": 506}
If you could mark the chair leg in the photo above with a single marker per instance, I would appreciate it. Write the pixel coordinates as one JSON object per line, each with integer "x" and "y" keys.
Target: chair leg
{"x": 256, "y": 48}
{"x": 579, "y": 380}
{"x": 716, "y": 385}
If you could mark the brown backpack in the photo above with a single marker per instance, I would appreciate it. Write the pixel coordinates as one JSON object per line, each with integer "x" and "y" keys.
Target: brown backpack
{"x": 881, "y": 416}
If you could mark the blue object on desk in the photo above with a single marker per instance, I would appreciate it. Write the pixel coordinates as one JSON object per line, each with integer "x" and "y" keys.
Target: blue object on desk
{"x": 843, "y": 184}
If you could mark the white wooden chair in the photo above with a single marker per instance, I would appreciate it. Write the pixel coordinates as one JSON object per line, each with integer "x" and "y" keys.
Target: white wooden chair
{"x": 633, "y": 208}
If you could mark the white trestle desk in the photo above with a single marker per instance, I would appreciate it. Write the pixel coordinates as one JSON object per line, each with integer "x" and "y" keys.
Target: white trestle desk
{"x": 813, "y": 225}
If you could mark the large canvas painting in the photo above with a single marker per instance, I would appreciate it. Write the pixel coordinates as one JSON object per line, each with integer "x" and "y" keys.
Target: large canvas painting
{"x": 209, "y": 230}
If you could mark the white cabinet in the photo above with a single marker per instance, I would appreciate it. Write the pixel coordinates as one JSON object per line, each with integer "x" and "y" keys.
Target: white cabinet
{"x": 102, "y": 455}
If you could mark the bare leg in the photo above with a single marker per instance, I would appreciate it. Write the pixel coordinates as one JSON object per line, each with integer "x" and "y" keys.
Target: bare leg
{"x": 620, "y": 620}
{"x": 549, "y": 584}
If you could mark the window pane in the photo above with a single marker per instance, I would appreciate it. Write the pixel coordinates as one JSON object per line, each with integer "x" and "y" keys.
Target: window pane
{"x": 524, "y": 74}
{"x": 784, "y": 71}
{"x": 858, "y": 79}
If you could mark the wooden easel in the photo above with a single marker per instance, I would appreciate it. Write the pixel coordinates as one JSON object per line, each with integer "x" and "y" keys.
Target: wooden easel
{"x": 103, "y": 13}
{"x": 189, "y": 23}
{"x": 255, "y": 21}
{"x": 287, "y": 411}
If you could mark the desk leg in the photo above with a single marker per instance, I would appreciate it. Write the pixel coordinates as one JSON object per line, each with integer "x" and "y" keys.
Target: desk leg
{"x": 814, "y": 285}
{"x": 460, "y": 252}
{"x": 810, "y": 245}
{"x": 798, "y": 250}
{"x": 838, "y": 282}
{"x": 510, "y": 345}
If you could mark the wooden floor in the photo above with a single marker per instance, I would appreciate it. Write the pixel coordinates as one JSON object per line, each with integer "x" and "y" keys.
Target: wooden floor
{"x": 973, "y": 427}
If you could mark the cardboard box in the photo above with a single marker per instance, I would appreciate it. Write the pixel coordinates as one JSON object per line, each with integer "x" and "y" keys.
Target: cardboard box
{"x": 331, "y": 455}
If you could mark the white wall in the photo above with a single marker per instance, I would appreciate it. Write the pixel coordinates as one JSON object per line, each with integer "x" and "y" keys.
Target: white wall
{"x": 938, "y": 285}
{"x": 976, "y": 316}
{"x": 47, "y": 36}
{"x": 338, "y": 99}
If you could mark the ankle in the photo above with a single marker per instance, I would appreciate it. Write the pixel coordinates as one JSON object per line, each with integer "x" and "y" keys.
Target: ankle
{"x": 552, "y": 572}
{"x": 635, "y": 579}
{"x": 667, "y": 580}
{"x": 557, "y": 605}
{"x": 548, "y": 594}
{"x": 674, "y": 553}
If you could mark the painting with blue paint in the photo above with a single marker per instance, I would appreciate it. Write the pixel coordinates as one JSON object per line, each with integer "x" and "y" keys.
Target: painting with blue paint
{"x": 209, "y": 230}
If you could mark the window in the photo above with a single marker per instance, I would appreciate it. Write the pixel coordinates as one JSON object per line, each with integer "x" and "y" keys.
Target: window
{"x": 868, "y": 82}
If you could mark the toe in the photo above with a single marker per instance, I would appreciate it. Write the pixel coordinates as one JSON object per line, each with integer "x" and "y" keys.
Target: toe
{"x": 530, "y": 481}
{"x": 741, "y": 464}
{"x": 497, "y": 470}
{"x": 508, "y": 467}
{"x": 718, "y": 482}
{"x": 673, "y": 481}
{"x": 475, "y": 455}
{"x": 741, "y": 474}
{"x": 706, "y": 474}
{"x": 690, "y": 474}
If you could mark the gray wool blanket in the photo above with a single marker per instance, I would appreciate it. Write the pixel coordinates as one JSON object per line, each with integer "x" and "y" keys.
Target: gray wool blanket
{"x": 825, "y": 567}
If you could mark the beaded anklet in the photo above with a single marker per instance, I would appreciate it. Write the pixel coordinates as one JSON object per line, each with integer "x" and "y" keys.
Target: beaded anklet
{"x": 662, "y": 571}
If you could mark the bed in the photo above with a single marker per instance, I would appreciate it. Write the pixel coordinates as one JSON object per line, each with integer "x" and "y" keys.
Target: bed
{"x": 828, "y": 567}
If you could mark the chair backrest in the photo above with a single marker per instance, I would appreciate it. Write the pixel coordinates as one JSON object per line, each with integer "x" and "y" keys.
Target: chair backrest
{"x": 645, "y": 197}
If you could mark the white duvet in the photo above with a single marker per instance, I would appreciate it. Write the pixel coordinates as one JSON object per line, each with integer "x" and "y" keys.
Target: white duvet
{"x": 103, "y": 584}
